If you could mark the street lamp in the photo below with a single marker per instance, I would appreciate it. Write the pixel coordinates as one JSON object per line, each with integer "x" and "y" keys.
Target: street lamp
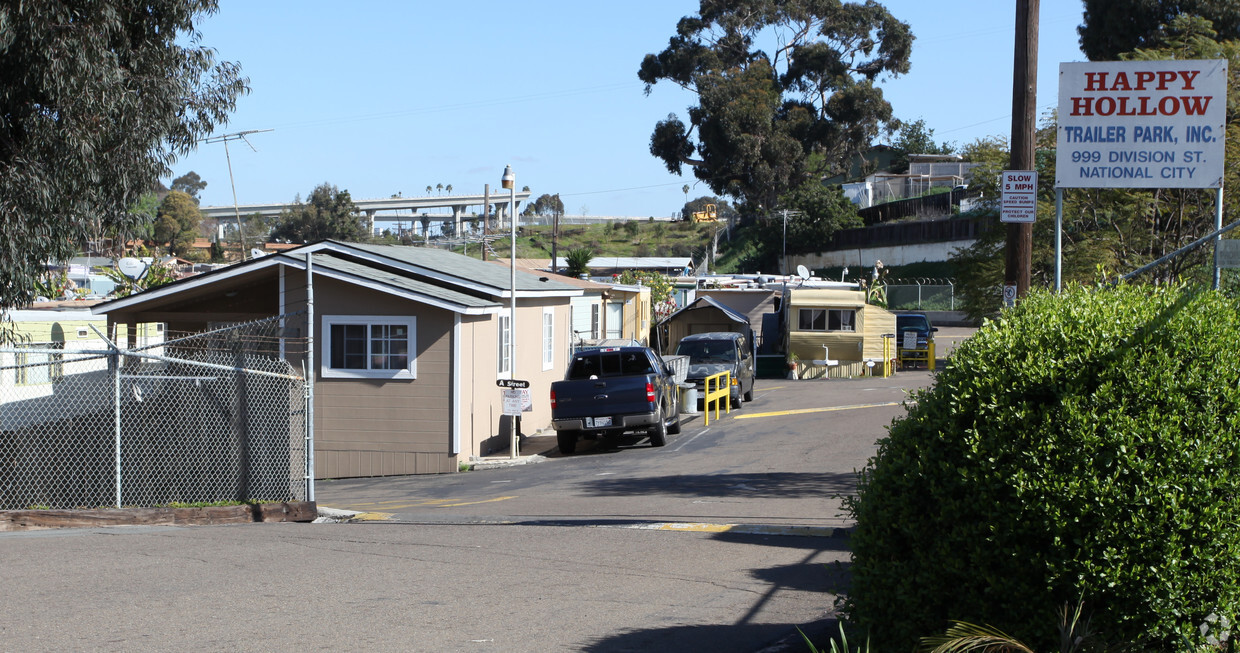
{"x": 509, "y": 181}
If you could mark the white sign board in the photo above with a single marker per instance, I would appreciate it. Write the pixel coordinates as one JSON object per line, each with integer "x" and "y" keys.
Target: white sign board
{"x": 516, "y": 401}
{"x": 910, "y": 340}
{"x": 1141, "y": 124}
{"x": 1019, "y": 196}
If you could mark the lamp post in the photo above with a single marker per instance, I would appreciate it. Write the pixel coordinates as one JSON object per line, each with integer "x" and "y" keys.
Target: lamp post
{"x": 509, "y": 181}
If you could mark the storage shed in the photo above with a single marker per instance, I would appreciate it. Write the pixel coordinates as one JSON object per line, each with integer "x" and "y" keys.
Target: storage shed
{"x": 704, "y": 315}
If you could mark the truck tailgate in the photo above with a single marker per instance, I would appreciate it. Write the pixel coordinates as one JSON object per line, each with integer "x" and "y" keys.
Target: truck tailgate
{"x": 600, "y": 397}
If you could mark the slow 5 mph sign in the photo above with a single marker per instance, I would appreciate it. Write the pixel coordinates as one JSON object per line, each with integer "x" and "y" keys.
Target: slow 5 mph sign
{"x": 1020, "y": 196}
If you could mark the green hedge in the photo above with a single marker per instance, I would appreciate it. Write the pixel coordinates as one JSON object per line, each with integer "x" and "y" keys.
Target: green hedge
{"x": 1084, "y": 444}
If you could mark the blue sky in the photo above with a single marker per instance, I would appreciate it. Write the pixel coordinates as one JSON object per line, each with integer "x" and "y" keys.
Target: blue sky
{"x": 380, "y": 98}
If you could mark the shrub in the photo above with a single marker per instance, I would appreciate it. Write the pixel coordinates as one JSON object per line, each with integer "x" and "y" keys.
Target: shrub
{"x": 1086, "y": 443}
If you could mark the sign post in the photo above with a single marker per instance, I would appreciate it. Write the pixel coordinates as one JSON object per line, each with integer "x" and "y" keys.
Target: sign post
{"x": 516, "y": 400}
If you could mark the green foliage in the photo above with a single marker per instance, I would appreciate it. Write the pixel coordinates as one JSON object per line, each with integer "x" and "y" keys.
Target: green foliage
{"x": 177, "y": 222}
{"x": 1083, "y": 444}
{"x": 190, "y": 184}
{"x": 815, "y": 213}
{"x": 631, "y": 227}
{"x": 760, "y": 114}
{"x": 157, "y": 274}
{"x": 916, "y": 138}
{"x": 97, "y": 99}
{"x": 578, "y": 261}
{"x": 661, "y": 300}
{"x": 329, "y": 213}
{"x": 1113, "y": 27}
{"x": 546, "y": 206}
{"x": 836, "y": 647}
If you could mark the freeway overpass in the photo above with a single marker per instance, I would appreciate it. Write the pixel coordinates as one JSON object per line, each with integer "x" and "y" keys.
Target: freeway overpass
{"x": 456, "y": 203}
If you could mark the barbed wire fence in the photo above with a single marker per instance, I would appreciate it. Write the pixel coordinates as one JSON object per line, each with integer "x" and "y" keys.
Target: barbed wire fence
{"x": 196, "y": 418}
{"x": 921, "y": 294}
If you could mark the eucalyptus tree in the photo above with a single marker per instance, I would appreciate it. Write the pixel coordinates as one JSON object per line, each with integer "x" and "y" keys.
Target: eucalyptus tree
{"x": 785, "y": 90}
{"x": 97, "y": 99}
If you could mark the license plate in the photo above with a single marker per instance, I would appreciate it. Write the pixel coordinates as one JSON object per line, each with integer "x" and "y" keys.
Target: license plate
{"x": 597, "y": 422}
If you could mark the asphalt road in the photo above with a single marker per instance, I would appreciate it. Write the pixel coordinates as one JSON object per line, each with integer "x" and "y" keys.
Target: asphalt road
{"x": 724, "y": 540}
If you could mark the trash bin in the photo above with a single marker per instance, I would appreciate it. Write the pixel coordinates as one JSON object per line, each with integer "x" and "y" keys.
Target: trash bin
{"x": 688, "y": 398}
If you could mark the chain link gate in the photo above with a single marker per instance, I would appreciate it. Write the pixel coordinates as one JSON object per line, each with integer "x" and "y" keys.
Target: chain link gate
{"x": 212, "y": 417}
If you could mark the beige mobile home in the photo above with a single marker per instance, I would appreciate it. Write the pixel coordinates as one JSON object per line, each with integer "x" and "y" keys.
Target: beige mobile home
{"x": 838, "y": 329}
{"x": 408, "y": 343}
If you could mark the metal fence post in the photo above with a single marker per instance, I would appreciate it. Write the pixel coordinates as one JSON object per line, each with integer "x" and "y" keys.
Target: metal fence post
{"x": 114, "y": 361}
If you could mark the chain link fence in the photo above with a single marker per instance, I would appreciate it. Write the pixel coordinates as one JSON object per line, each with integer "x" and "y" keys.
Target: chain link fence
{"x": 921, "y": 295}
{"x": 212, "y": 417}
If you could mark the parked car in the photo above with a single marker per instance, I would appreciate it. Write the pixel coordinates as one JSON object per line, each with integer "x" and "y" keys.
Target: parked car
{"x": 720, "y": 351}
{"x": 612, "y": 390}
{"x": 920, "y": 324}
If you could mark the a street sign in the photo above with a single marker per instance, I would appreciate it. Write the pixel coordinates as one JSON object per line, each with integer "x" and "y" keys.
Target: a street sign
{"x": 512, "y": 383}
{"x": 1019, "y": 201}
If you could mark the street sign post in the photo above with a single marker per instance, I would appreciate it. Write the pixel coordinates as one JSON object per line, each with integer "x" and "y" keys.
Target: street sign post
{"x": 512, "y": 383}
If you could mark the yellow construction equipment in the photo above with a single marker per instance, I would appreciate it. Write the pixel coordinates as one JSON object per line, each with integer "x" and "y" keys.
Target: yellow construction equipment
{"x": 708, "y": 214}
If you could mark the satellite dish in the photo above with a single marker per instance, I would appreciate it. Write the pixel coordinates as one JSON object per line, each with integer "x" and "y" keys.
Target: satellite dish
{"x": 131, "y": 267}
{"x": 802, "y": 272}
{"x": 257, "y": 253}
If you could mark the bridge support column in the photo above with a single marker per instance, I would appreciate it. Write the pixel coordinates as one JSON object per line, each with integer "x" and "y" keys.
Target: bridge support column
{"x": 457, "y": 212}
{"x": 370, "y": 222}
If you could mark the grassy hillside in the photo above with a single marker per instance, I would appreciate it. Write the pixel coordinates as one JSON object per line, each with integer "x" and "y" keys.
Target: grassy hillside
{"x": 632, "y": 238}
{"x": 738, "y": 253}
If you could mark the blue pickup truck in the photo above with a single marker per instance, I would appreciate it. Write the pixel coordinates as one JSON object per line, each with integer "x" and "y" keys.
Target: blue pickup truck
{"x": 612, "y": 390}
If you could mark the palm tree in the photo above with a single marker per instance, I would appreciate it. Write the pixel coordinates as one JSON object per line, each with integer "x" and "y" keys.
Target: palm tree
{"x": 578, "y": 261}
{"x": 439, "y": 187}
{"x": 429, "y": 189}
{"x": 448, "y": 188}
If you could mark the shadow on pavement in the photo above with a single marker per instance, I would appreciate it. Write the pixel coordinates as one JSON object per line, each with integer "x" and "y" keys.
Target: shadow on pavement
{"x": 717, "y": 638}
{"x": 764, "y": 485}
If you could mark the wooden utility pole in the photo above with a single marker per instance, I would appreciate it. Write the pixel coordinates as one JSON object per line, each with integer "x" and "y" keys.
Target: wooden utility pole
{"x": 1019, "y": 251}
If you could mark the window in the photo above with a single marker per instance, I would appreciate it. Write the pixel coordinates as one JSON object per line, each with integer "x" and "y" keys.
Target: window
{"x": 40, "y": 367}
{"x": 594, "y": 320}
{"x": 826, "y": 319}
{"x": 371, "y": 347}
{"x": 548, "y": 339}
{"x": 504, "y": 357}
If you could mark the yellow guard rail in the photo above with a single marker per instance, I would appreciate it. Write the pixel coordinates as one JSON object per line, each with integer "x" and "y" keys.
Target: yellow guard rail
{"x": 718, "y": 388}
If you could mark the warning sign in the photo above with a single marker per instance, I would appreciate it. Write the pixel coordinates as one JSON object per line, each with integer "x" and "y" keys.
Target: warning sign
{"x": 1020, "y": 196}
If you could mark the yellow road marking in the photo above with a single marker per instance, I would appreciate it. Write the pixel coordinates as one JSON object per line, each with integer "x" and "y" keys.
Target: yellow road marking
{"x": 802, "y": 411}
{"x": 371, "y": 516}
{"x": 470, "y": 503}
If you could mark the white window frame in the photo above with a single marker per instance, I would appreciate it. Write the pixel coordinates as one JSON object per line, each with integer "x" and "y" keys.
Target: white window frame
{"x": 548, "y": 339}
{"x": 826, "y": 317}
{"x": 503, "y": 358}
{"x": 325, "y": 358}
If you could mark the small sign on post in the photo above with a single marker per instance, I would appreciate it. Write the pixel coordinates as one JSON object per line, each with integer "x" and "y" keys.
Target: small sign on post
{"x": 1020, "y": 196}
{"x": 1227, "y": 254}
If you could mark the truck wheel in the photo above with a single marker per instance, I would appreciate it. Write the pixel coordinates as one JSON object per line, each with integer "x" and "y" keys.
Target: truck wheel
{"x": 674, "y": 429}
{"x": 567, "y": 441}
{"x": 749, "y": 395}
{"x": 658, "y": 432}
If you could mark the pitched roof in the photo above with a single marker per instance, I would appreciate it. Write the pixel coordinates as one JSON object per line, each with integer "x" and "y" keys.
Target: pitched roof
{"x": 455, "y": 268}
{"x": 429, "y": 275}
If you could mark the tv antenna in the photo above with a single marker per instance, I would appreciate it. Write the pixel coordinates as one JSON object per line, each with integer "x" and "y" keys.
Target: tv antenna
{"x": 225, "y": 138}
